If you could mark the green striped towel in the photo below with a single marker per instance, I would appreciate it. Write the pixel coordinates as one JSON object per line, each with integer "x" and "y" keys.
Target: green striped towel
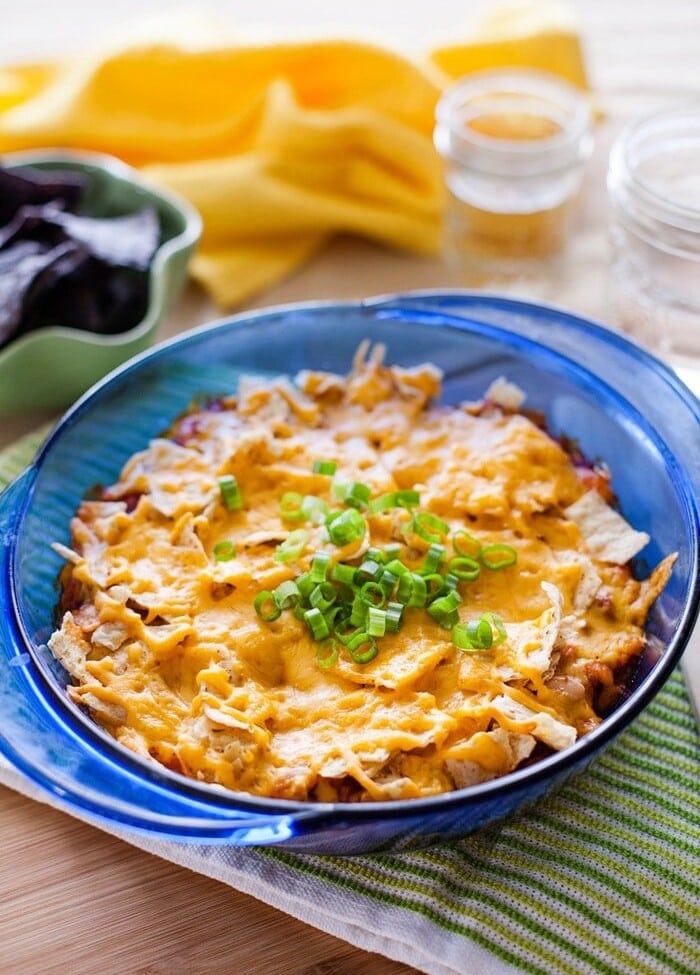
{"x": 604, "y": 877}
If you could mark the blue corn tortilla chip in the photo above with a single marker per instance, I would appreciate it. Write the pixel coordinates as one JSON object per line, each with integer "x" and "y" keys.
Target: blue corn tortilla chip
{"x": 25, "y": 273}
{"x": 63, "y": 268}
{"x": 34, "y": 186}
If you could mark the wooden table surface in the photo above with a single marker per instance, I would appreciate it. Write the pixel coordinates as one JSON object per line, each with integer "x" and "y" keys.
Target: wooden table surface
{"x": 74, "y": 900}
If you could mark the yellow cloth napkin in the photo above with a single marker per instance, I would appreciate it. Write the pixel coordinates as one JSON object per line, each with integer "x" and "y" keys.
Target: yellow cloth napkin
{"x": 278, "y": 145}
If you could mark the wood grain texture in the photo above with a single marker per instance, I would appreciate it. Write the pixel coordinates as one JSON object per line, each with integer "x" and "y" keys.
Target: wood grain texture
{"x": 74, "y": 901}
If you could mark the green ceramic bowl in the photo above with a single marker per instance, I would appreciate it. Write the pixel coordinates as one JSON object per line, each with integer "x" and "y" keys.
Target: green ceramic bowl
{"x": 50, "y": 367}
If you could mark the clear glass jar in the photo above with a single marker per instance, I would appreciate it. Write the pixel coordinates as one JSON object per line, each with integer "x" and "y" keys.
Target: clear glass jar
{"x": 514, "y": 144}
{"x": 654, "y": 188}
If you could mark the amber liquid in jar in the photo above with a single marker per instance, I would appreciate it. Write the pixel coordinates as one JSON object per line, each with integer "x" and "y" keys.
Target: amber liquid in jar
{"x": 513, "y": 167}
{"x": 515, "y": 234}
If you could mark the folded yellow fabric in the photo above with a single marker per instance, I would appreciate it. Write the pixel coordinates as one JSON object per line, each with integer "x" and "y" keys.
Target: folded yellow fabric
{"x": 278, "y": 145}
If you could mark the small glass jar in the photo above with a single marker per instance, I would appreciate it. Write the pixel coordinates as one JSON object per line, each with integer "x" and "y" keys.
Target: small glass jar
{"x": 514, "y": 144}
{"x": 654, "y": 188}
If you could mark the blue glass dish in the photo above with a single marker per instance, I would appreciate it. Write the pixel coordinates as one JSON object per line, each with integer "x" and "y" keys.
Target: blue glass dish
{"x": 621, "y": 404}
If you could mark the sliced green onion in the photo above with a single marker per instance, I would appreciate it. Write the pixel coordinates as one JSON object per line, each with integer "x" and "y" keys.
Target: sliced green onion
{"x": 397, "y": 567}
{"x": 450, "y": 581}
{"x": 345, "y": 527}
{"x": 376, "y": 621}
{"x": 323, "y": 467}
{"x": 429, "y": 526}
{"x": 316, "y": 622}
{"x": 392, "y": 551}
{"x": 387, "y": 581}
{"x": 327, "y": 654}
{"x": 407, "y": 499}
{"x": 394, "y": 617}
{"x": 435, "y": 583}
{"x": 292, "y": 547}
{"x": 497, "y": 626}
{"x": 344, "y": 573}
{"x": 498, "y": 556}
{"x": 305, "y": 585}
{"x": 383, "y": 503}
{"x": 444, "y": 609}
{"x": 315, "y": 509}
{"x": 478, "y": 634}
{"x": 323, "y": 596}
{"x": 412, "y": 590}
{"x": 372, "y": 594}
{"x": 358, "y": 614}
{"x": 433, "y": 558}
{"x": 395, "y": 499}
{"x": 465, "y": 567}
{"x": 355, "y": 494}
{"x": 319, "y": 567}
{"x": 290, "y": 506}
{"x": 263, "y": 599}
{"x": 376, "y": 555}
{"x": 230, "y": 492}
{"x": 355, "y": 648}
{"x": 287, "y": 594}
{"x": 369, "y": 571}
{"x": 465, "y": 544}
{"x": 224, "y": 551}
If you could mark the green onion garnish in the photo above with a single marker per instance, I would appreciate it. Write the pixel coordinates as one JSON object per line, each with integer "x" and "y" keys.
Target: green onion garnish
{"x": 369, "y": 571}
{"x": 323, "y": 596}
{"x": 327, "y": 654}
{"x": 323, "y": 467}
{"x": 479, "y": 634}
{"x": 498, "y": 556}
{"x": 344, "y": 573}
{"x": 372, "y": 594}
{"x": 444, "y": 609}
{"x": 395, "y": 499}
{"x": 433, "y": 558}
{"x": 266, "y": 607}
{"x": 383, "y": 503}
{"x": 394, "y": 617}
{"x": 314, "y": 509}
{"x": 387, "y": 581}
{"x": 287, "y": 594}
{"x": 224, "y": 551}
{"x": 290, "y": 506}
{"x": 465, "y": 567}
{"x": 292, "y": 547}
{"x": 429, "y": 526}
{"x": 376, "y": 621}
{"x": 346, "y": 526}
{"x": 435, "y": 583}
{"x": 316, "y": 622}
{"x": 407, "y": 499}
{"x": 230, "y": 492}
{"x": 496, "y": 625}
{"x": 358, "y": 613}
{"x": 412, "y": 590}
{"x": 354, "y": 494}
{"x": 355, "y": 648}
{"x": 319, "y": 567}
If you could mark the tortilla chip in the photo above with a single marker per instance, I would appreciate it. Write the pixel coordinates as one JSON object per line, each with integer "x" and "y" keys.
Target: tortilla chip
{"x": 607, "y": 535}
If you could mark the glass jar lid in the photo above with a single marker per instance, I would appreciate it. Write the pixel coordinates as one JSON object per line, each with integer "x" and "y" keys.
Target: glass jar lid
{"x": 654, "y": 178}
{"x": 515, "y": 123}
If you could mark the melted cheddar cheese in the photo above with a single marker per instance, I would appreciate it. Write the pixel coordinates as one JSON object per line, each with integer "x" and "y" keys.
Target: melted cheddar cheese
{"x": 166, "y": 650}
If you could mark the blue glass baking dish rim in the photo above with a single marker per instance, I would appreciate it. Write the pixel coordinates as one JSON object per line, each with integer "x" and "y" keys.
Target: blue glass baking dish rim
{"x": 177, "y": 808}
